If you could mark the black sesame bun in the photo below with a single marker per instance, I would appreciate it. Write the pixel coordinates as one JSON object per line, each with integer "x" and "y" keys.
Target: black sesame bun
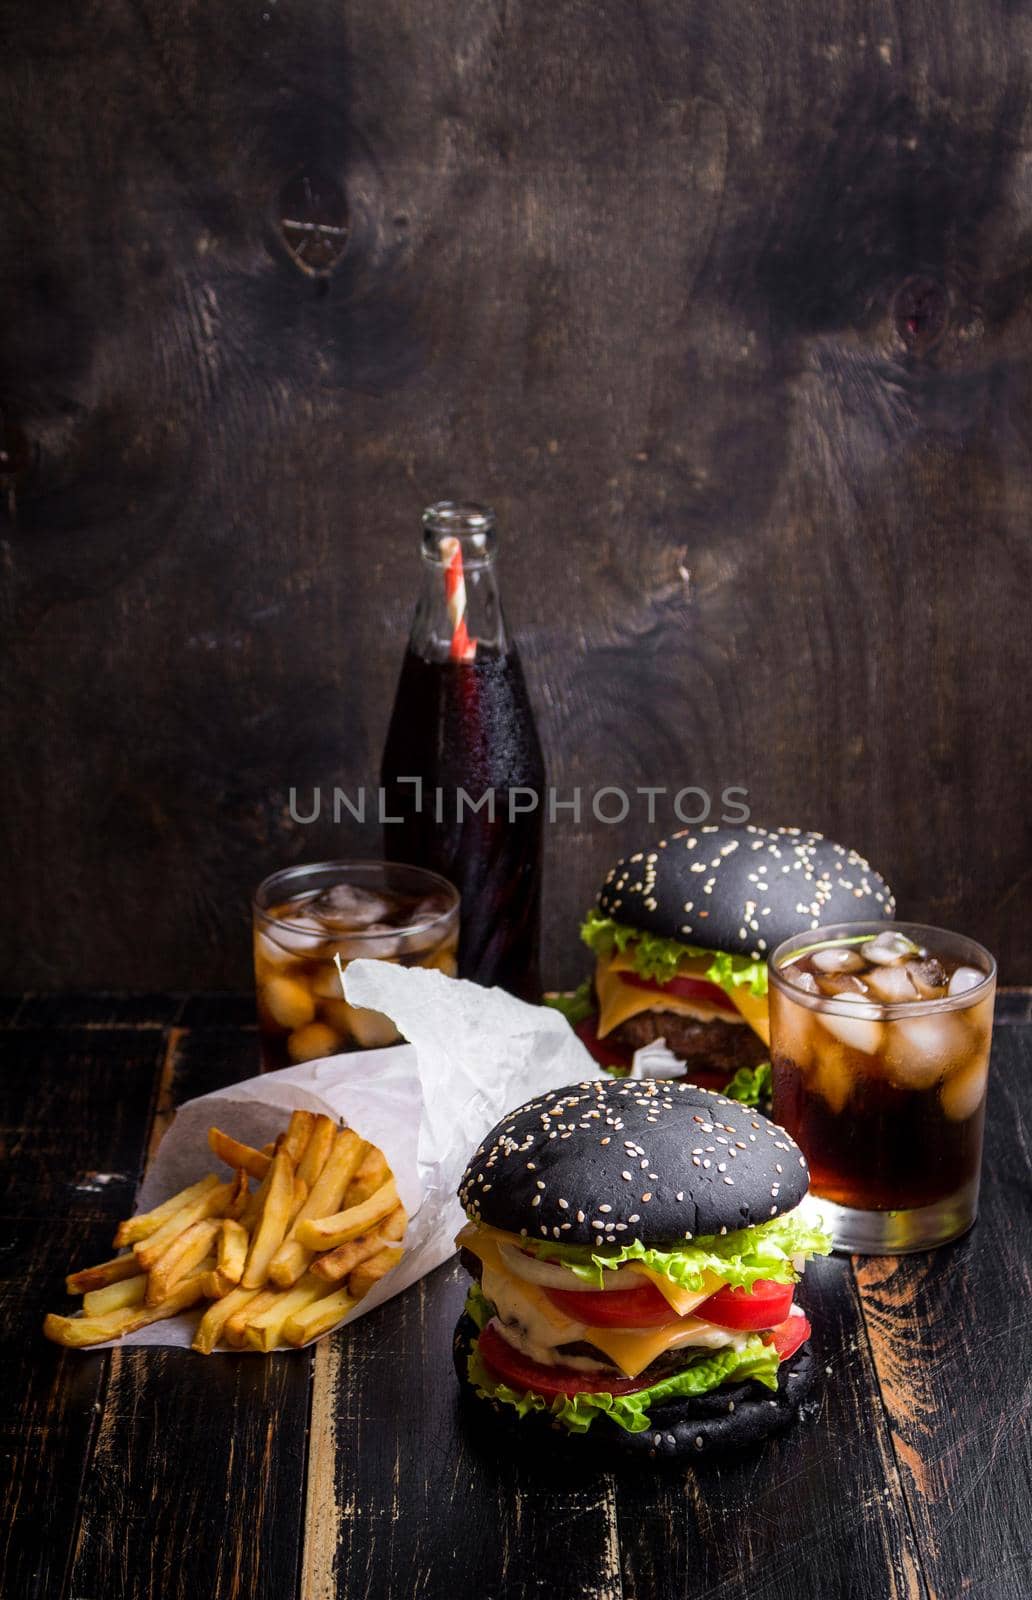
{"x": 612, "y": 1160}
{"x": 742, "y": 890}
{"x": 609, "y": 1162}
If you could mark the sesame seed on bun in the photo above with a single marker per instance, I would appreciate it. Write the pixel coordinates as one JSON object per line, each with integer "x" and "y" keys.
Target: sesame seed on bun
{"x": 604, "y": 1162}
{"x": 742, "y": 890}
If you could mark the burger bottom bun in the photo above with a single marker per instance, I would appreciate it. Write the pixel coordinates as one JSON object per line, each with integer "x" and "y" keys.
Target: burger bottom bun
{"x": 736, "y": 1415}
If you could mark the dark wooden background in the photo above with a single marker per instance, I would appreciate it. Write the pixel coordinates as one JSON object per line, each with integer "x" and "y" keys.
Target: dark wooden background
{"x": 723, "y": 305}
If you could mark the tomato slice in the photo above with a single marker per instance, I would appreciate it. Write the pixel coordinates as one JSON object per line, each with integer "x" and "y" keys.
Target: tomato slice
{"x": 788, "y": 1336}
{"x": 605, "y": 1054}
{"x": 640, "y": 1307}
{"x": 710, "y": 994}
{"x": 517, "y": 1370}
{"x": 763, "y": 1306}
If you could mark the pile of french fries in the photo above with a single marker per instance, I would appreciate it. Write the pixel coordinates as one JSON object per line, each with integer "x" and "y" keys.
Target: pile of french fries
{"x": 282, "y": 1263}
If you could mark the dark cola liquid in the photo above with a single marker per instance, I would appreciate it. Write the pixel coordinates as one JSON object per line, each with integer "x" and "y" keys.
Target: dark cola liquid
{"x": 886, "y": 1149}
{"x": 469, "y": 725}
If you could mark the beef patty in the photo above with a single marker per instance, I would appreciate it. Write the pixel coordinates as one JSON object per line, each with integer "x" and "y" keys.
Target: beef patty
{"x": 726, "y": 1046}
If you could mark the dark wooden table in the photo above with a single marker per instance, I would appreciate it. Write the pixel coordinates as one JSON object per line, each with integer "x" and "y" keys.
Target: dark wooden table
{"x": 346, "y": 1471}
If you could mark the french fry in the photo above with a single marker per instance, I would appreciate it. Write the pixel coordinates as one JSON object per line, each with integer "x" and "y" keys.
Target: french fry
{"x": 105, "y": 1272}
{"x": 235, "y": 1329}
{"x": 210, "y": 1204}
{"x": 371, "y": 1271}
{"x": 317, "y": 1150}
{"x": 79, "y": 1331}
{"x": 336, "y": 1264}
{"x": 209, "y": 1329}
{"x": 371, "y": 1175}
{"x": 273, "y": 1222}
{"x": 254, "y": 1162}
{"x": 320, "y": 1189}
{"x": 392, "y": 1228}
{"x": 324, "y": 1198}
{"x": 264, "y": 1330}
{"x": 241, "y": 1195}
{"x": 232, "y": 1250}
{"x": 186, "y": 1251}
{"x": 252, "y": 1208}
{"x": 294, "y": 1142}
{"x": 151, "y": 1222}
{"x": 208, "y": 1278}
{"x": 318, "y": 1317}
{"x": 327, "y": 1233}
{"x": 115, "y": 1296}
{"x": 298, "y": 1199}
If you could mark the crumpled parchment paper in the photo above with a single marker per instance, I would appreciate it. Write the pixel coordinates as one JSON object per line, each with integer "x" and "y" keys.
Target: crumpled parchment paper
{"x": 473, "y": 1054}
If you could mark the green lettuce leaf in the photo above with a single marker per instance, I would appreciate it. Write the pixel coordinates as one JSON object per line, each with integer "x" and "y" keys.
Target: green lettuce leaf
{"x": 478, "y": 1306}
{"x": 576, "y": 1005}
{"x": 631, "y": 1411}
{"x": 659, "y": 958}
{"x": 739, "y": 1259}
{"x": 751, "y": 1085}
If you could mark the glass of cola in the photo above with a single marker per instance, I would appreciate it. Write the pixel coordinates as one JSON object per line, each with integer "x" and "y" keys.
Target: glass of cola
{"x": 880, "y": 1038}
{"x": 306, "y": 917}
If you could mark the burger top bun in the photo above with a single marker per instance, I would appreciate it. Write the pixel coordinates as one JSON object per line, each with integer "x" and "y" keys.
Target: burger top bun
{"x": 743, "y": 890}
{"x": 659, "y": 1160}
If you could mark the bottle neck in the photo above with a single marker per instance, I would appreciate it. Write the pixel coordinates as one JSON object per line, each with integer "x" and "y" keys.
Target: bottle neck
{"x": 459, "y": 612}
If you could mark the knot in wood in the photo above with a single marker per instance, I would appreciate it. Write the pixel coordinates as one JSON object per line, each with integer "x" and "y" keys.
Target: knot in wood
{"x": 921, "y": 312}
{"x": 314, "y": 221}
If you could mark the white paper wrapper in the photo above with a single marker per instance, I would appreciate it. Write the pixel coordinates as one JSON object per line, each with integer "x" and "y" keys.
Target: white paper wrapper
{"x": 474, "y": 1054}
{"x": 657, "y": 1060}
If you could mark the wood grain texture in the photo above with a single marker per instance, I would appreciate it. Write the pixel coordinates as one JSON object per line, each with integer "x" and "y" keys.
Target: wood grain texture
{"x": 408, "y": 1502}
{"x": 402, "y": 1491}
{"x": 49, "y": 1403}
{"x": 816, "y": 1513}
{"x": 949, "y": 1332}
{"x": 724, "y": 307}
{"x": 74, "y": 1106}
{"x": 151, "y": 1474}
{"x": 113, "y": 1010}
{"x": 230, "y": 1523}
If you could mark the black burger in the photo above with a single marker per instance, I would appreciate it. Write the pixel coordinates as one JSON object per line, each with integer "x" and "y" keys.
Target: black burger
{"x": 636, "y": 1248}
{"x": 681, "y": 934}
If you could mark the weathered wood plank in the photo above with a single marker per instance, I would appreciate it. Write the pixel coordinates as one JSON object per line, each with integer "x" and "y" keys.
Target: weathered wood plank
{"x": 113, "y": 1010}
{"x": 951, "y": 1339}
{"x": 196, "y": 1484}
{"x": 49, "y": 1400}
{"x": 225, "y": 1435}
{"x": 402, "y": 1501}
{"x": 814, "y": 1513}
{"x": 1013, "y": 1006}
{"x": 196, "y": 1062}
{"x": 74, "y": 1106}
{"x": 191, "y": 1477}
{"x": 228, "y": 1010}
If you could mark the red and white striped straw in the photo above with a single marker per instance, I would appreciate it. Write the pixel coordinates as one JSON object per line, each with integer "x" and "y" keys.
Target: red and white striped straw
{"x": 462, "y": 647}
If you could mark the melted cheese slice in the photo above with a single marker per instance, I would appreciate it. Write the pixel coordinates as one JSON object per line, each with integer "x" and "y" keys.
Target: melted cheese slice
{"x": 533, "y": 1323}
{"x": 618, "y": 1000}
{"x": 680, "y": 1300}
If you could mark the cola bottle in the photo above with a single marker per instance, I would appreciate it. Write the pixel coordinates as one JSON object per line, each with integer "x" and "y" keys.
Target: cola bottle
{"x": 462, "y": 773}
